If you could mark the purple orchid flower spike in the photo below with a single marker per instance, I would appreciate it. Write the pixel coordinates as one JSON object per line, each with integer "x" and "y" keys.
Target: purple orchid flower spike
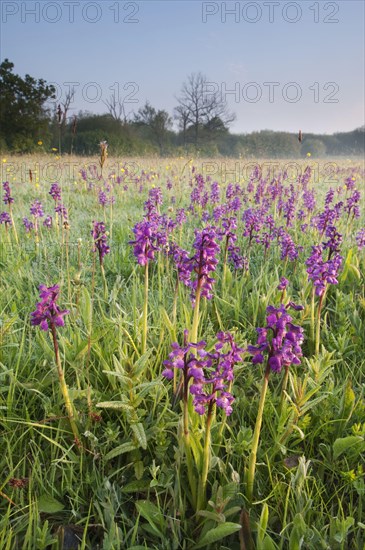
{"x": 284, "y": 346}
{"x": 5, "y": 218}
{"x": 8, "y": 199}
{"x": 55, "y": 192}
{"x": 47, "y": 313}
{"x": 283, "y": 284}
{"x": 100, "y": 240}
{"x": 360, "y": 238}
{"x": 144, "y": 245}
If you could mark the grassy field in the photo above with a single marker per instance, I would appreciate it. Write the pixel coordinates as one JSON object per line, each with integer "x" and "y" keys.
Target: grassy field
{"x": 100, "y": 450}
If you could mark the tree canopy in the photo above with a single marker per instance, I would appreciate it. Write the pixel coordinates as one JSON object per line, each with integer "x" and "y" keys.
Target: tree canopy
{"x": 23, "y": 116}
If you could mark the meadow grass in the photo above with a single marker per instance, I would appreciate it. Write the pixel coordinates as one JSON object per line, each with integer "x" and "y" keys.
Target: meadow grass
{"x": 126, "y": 484}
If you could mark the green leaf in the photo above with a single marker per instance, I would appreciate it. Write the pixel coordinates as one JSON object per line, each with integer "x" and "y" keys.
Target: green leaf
{"x": 166, "y": 319}
{"x": 349, "y": 399}
{"x": 140, "y": 365}
{"x": 297, "y": 534}
{"x": 197, "y": 449}
{"x": 355, "y": 271}
{"x": 347, "y": 263}
{"x": 140, "y": 434}
{"x": 152, "y": 514}
{"x": 262, "y": 526}
{"x": 145, "y": 388}
{"x": 354, "y": 443}
{"x": 124, "y": 380}
{"x": 121, "y": 449}
{"x": 138, "y": 469}
{"x": 218, "y": 533}
{"x": 81, "y": 350}
{"x": 268, "y": 544}
{"x": 49, "y": 505}
{"x": 86, "y": 309}
{"x": 137, "y": 486}
{"x": 214, "y": 516}
{"x": 118, "y": 405}
{"x": 76, "y": 393}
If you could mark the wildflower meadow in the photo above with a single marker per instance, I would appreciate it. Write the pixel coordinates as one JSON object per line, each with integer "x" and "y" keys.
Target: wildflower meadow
{"x": 182, "y": 355}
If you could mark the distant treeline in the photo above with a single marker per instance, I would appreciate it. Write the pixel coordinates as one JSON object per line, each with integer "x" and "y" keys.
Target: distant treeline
{"x": 31, "y": 119}
{"x": 132, "y": 138}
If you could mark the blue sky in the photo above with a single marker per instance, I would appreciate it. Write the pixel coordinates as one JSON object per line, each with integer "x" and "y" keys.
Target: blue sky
{"x": 291, "y": 64}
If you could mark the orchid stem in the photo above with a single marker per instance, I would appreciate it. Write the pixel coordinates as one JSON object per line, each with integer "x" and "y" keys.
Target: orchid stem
{"x": 145, "y": 310}
{"x": 256, "y": 436}
{"x": 189, "y": 461}
{"x": 206, "y": 459}
{"x": 194, "y": 328}
{"x": 318, "y": 323}
{"x": 64, "y": 388}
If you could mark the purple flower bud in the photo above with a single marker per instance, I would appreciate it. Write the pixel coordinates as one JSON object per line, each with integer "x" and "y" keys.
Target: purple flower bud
{"x": 283, "y": 284}
{"x": 294, "y": 306}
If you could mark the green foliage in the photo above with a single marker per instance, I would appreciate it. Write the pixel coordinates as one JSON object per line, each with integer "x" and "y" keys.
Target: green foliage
{"x": 128, "y": 486}
{"x": 23, "y": 118}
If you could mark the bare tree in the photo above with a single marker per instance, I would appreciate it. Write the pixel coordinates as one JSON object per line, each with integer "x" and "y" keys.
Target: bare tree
{"x": 61, "y": 114}
{"x": 116, "y": 109}
{"x": 73, "y": 132}
{"x": 64, "y": 107}
{"x": 181, "y": 114}
{"x": 201, "y": 106}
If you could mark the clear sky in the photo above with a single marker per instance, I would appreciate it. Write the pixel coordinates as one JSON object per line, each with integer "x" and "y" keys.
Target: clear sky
{"x": 289, "y": 65}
